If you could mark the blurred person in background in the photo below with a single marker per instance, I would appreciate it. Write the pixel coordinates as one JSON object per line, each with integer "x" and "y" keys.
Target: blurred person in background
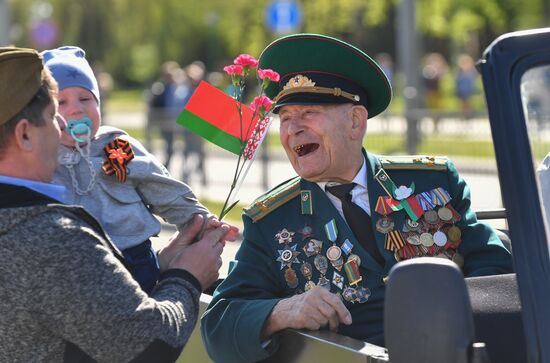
{"x": 193, "y": 149}
{"x": 167, "y": 97}
{"x": 465, "y": 82}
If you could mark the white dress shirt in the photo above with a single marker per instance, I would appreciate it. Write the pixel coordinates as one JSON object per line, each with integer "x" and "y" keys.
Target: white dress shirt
{"x": 359, "y": 194}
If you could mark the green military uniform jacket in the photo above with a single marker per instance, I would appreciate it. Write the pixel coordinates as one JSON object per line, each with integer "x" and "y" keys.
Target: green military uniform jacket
{"x": 261, "y": 274}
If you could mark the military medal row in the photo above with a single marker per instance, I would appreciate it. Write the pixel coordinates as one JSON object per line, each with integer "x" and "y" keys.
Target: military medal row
{"x": 312, "y": 248}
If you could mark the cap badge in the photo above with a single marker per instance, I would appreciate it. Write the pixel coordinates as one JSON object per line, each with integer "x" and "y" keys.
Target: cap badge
{"x": 299, "y": 81}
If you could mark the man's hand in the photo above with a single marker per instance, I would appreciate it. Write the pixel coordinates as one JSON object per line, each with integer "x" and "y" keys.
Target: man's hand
{"x": 311, "y": 310}
{"x": 201, "y": 258}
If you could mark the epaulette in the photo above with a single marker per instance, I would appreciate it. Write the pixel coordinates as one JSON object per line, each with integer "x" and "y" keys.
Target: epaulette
{"x": 273, "y": 199}
{"x": 414, "y": 162}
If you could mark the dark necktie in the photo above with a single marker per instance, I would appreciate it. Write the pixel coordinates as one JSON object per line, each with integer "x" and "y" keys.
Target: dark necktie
{"x": 358, "y": 220}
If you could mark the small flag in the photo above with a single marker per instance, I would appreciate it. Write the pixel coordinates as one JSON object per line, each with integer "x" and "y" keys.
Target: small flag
{"x": 213, "y": 115}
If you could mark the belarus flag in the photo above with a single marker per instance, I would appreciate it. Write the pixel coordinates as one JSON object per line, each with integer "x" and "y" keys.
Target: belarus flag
{"x": 213, "y": 115}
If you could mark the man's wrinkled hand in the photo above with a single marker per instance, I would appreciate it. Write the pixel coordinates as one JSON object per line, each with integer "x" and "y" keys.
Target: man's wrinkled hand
{"x": 311, "y": 310}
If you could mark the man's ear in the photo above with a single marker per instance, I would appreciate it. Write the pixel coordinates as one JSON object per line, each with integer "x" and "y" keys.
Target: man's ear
{"x": 24, "y": 135}
{"x": 359, "y": 116}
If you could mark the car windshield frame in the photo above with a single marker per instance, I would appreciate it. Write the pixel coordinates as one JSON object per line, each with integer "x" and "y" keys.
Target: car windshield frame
{"x": 502, "y": 67}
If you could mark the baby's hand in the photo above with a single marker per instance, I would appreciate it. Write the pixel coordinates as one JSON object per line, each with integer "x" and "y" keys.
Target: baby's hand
{"x": 231, "y": 235}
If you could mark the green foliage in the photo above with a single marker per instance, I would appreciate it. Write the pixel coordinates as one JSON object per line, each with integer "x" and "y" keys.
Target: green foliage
{"x": 132, "y": 38}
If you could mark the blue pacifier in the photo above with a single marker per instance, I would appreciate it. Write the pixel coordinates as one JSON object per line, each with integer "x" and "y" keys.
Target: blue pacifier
{"x": 80, "y": 130}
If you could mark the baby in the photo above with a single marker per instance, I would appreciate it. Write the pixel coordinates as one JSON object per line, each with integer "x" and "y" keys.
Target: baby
{"x": 110, "y": 173}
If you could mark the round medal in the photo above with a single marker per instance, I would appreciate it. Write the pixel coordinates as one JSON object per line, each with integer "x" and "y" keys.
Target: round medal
{"x": 445, "y": 214}
{"x": 431, "y": 217}
{"x": 426, "y": 239}
{"x": 454, "y": 234}
{"x": 440, "y": 238}
{"x": 286, "y": 256}
{"x": 414, "y": 239}
{"x": 334, "y": 253}
{"x": 384, "y": 224}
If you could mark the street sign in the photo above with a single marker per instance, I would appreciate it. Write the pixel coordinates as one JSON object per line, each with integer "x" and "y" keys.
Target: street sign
{"x": 283, "y": 16}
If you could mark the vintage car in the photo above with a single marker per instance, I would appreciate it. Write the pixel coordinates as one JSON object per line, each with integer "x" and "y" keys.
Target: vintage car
{"x": 503, "y": 318}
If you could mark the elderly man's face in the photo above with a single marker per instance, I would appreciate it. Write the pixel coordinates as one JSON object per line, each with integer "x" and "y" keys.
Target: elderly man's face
{"x": 320, "y": 141}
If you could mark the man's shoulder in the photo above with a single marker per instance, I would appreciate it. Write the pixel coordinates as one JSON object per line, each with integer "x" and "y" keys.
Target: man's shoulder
{"x": 414, "y": 162}
{"x": 273, "y": 199}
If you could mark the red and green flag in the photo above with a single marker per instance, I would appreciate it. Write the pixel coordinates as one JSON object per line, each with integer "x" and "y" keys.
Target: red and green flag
{"x": 213, "y": 115}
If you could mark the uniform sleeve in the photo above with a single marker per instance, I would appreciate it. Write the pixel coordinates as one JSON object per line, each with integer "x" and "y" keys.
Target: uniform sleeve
{"x": 483, "y": 252}
{"x": 166, "y": 197}
{"x": 81, "y": 292}
{"x": 232, "y": 325}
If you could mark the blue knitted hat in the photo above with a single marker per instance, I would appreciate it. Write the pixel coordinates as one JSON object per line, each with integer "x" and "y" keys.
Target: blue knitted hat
{"x": 70, "y": 68}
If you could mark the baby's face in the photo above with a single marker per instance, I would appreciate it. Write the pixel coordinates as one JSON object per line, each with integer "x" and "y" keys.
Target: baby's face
{"x": 74, "y": 104}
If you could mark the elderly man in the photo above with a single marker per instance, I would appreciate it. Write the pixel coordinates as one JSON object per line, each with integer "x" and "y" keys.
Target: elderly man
{"x": 318, "y": 247}
{"x": 67, "y": 296}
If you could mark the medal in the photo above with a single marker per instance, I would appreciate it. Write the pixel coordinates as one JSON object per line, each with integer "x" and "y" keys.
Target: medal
{"x": 426, "y": 240}
{"x": 440, "y": 238}
{"x": 352, "y": 272}
{"x": 363, "y": 295}
{"x": 445, "y": 214}
{"x": 413, "y": 239}
{"x": 306, "y": 270}
{"x": 384, "y": 224}
{"x": 309, "y": 285}
{"x": 321, "y": 263}
{"x": 284, "y": 236}
{"x": 338, "y": 280}
{"x": 349, "y": 294}
{"x": 454, "y": 234}
{"x": 287, "y": 256}
{"x": 313, "y": 247}
{"x": 347, "y": 246}
{"x": 291, "y": 278}
{"x": 412, "y": 226}
{"x": 394, "y": 241}
{"x": 431, "y": 217}
{"x": 355, "y": 258}
{"x": 334, "y": 255}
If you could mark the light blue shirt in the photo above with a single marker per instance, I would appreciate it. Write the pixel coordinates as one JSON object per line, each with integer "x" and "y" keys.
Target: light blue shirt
{"x": 54, "y": 191}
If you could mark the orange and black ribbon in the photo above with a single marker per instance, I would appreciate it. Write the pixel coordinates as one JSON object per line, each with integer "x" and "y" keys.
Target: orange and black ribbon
{"x": 119, "y": 153}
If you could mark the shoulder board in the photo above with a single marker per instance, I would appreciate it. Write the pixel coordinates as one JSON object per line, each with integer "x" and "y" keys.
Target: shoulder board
{"x": 414, "y": 162}
{"x": 273, "y": 199}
